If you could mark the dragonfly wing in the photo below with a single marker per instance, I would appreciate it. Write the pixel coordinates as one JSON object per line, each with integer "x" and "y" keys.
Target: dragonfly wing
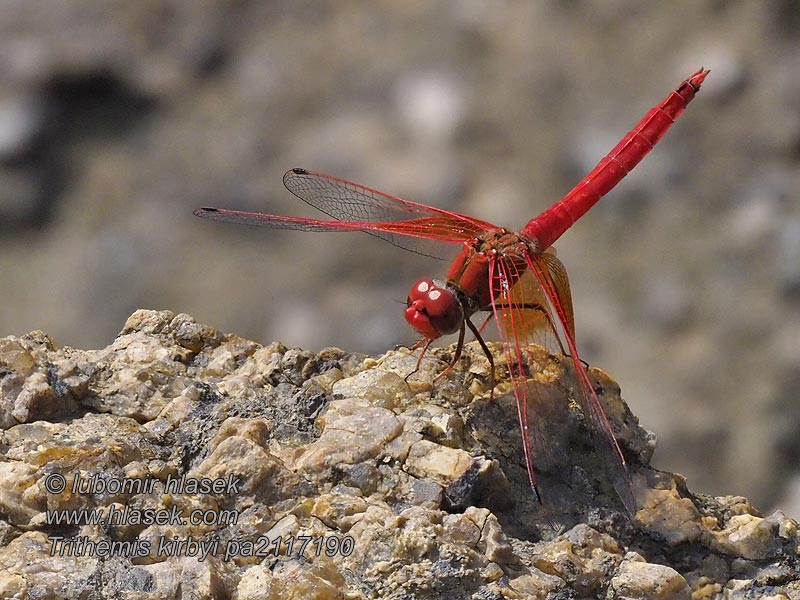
{"x": 554, "y": 283}
{"x": 431, "y": 236}
{"x": 537, "y": 308}
{"x": 523, "y": 316}
{"x": 348, "y": 201}
{"x": 416, "y": 227}
{"x": 552, "y": 278}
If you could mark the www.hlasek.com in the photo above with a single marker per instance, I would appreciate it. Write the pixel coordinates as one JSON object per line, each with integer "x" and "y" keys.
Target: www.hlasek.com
{"x": 201, "y": 548}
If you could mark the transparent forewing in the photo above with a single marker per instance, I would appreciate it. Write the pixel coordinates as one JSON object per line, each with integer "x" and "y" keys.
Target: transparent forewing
{"x": 406, "y": 224}
{"x": 435, "y": 228}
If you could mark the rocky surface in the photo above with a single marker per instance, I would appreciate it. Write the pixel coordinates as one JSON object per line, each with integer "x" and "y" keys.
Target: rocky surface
{"x": 383, "y": 488}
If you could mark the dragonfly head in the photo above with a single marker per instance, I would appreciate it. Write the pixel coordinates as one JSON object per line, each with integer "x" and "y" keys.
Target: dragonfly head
{"x": 433, "y": 309}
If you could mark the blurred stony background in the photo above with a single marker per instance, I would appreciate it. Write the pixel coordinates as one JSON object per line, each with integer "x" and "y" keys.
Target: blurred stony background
{"x": 118, "y": 118}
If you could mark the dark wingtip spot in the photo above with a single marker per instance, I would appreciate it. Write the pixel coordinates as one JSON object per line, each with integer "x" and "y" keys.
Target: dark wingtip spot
{"x": 206, "y": 209}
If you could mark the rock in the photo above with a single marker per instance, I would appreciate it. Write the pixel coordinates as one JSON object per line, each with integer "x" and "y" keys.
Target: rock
{"x": 639, "y": 579}
{"x": 583, "y": 557}
{"x": 195, "y": 460}
{"x": 433, "y": 461}
{"x": 355, "y": 431}
{"x": 748, "y": 536}
{"x": 20, "y": 499}
{"x": 664, "y": 511}
{"x": 32, "y": 388}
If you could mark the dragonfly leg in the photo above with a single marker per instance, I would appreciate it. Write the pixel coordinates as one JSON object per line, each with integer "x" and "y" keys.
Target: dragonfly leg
{"x": 411, "y": 348}
{"x": 541, "y": 309}
{"x": 456, "y": 356}
{"x": 553, "y": 328}
{"x": 564, "y": 352}
{"x": 477, "y": 333}
{"x": 427, "y": 344}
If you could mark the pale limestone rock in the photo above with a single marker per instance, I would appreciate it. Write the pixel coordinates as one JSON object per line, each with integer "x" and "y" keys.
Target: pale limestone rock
{"x": 376, "y": 384}
{"x": 20, "y": 497}
{"x": 255, "y": 584}
{"x": 239, "y": 450}
{"x": 322, "y": 581}
{"x": 354, "y": 431}
{"x": 16, "y": 356}
{"x": 638, "y": 579}
{"x": 582, "y": 557}
{"x": 747, "y": 536}
{"x": 32, "y": 572}
{"x": 494, "y": 541}
{"x": 339, "y": 511}
{"x": 666, "y": 513}
{"x": 436, "y": 462}
{"x": 535, "y": 585}
{"x": 446, "y": 427}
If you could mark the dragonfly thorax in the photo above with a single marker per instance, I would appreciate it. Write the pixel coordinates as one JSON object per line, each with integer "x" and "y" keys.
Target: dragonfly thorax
{"x": 477, "y": 270}
{"x": 434, "y": 309}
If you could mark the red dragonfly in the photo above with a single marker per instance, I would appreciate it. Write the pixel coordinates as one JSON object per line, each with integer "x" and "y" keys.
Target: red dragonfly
{"x": 515, "y": 277}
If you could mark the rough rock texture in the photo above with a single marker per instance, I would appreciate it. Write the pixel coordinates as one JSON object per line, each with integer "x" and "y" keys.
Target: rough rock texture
{"x": 329, "y": 476}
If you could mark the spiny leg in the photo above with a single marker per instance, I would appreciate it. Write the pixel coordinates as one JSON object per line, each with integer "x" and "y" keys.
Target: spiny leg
{"x": 427, "y": 344}
{"x": 541, "y": 309}
{"x": 500, "y": 305}
{"x": 419, "y": 343}
{"x": 528, "y": 306}
{"x": 477, "y": 333}
{"x": 456, "y": 356}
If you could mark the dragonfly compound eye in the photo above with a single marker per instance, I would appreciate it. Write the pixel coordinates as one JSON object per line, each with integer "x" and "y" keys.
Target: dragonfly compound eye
{"x": 433, "y": 309}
